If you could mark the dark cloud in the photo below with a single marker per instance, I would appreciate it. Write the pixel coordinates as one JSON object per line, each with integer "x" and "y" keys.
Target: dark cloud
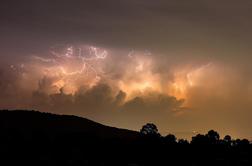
{"x": 171, "y": 26}
{"x": 101, "y": 99}
{"x": 12, "y": 90}
{"x": 153, "y": 102}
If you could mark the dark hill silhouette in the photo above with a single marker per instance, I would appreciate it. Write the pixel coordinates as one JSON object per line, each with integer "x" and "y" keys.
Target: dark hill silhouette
{"x": 41, "y": 139}
{"x": 48, "y": 122}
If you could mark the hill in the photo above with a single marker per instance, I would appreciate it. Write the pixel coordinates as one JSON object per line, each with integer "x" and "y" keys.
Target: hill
{"x": 47, "y": 122}
{"x": 41, "y": 139}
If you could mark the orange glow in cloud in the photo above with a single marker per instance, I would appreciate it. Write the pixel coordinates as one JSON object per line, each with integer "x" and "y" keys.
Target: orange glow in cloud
{"x": 187, "y": 78}
{"x": 139, "y": 78}
{"x": 73, "y": 68}
{"x": 70, "y": 69}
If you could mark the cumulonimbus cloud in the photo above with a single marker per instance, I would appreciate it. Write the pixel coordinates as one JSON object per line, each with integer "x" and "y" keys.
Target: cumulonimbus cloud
{"x": 124, "y": 88}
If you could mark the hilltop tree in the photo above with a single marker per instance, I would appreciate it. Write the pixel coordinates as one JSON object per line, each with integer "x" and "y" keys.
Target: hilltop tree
{"x": 149, "y": 129}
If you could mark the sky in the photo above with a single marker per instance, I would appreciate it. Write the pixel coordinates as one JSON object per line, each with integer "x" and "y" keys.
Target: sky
{"x": 183, "y": 65}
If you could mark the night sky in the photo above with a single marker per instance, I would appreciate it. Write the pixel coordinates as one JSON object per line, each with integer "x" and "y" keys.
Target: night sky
{"x": 183, "y": 65}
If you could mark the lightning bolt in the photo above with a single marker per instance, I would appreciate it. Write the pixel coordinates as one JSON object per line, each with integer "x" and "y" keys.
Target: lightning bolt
{"x": 84, "y": 56}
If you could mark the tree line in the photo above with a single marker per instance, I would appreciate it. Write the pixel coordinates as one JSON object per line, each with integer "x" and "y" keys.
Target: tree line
{"x": 210, "y": 138}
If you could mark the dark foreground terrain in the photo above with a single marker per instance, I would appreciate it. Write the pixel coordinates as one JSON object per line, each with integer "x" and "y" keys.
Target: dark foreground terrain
{"x": 34, "y": 138}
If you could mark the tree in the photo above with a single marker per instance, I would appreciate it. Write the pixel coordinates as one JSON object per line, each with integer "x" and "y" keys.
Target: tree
{"x": 239, "y": 142}
{"x": 244, "y": 142}
{"x": 183, "y": 142}
{"x": 170, "y": 139}
{"x": 227, "y": 140}
{"x": 200, "y": 139}
{"x": 213, "y": 136}
{"x": 149, "y": 129}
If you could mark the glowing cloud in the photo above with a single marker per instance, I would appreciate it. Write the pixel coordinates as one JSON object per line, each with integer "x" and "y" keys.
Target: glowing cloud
{"x": 186, "y": 78}
{"x": 71, "y": 67}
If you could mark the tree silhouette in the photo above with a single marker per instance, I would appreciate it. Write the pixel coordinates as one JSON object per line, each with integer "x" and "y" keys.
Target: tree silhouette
{"x": 244, "y": 142}
{"x": 239, "y": 142}
{"x": 170, "y": 139}
{"x": 200, "y": 139}
{"x": 183, "y": 142}
{"x": 227, "y": 140}
{"x": 149, "y": 129}
{"x": 213, "y": 136}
